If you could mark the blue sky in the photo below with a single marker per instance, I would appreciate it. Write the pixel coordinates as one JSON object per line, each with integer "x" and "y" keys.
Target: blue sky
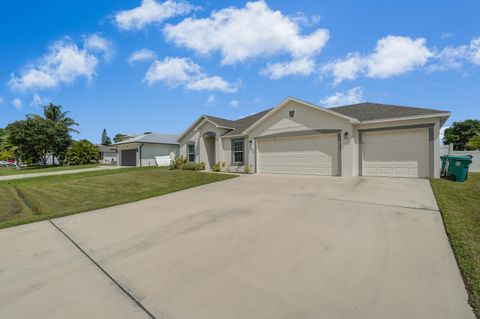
{"x": 136, "y": 66}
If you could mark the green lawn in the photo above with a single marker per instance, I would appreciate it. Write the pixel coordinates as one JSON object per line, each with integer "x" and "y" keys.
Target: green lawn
{"x": 41, "y": 169}
{"x": 460, "y": 207}
{"x": 33, "y": 199}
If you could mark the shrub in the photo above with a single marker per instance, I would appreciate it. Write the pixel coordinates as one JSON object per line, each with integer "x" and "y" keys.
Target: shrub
{"x": 189, "y": 166}
{"x": 178, "y": 162}
{"x": 217, "y": 167}
{"x": 181, "y": 163}
{"x": 247, "y": 169}
{"x": 81, "y": 152}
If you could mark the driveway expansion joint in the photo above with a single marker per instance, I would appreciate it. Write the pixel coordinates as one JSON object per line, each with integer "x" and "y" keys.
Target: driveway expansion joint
{"x": 382, "y": 204}
{"x": 124, "y": 290}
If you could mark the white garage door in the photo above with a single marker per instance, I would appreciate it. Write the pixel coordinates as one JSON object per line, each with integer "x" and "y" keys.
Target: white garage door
{"x": 313, "y": 155}
{"x": 401, "y": 153}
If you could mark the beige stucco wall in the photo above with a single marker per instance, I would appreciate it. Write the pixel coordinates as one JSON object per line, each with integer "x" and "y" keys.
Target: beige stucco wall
{"x": 305, "y": 118}
{"x": 196, "y": 136}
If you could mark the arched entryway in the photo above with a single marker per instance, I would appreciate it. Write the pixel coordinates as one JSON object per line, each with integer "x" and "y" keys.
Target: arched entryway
{"x": 209, "y": 141}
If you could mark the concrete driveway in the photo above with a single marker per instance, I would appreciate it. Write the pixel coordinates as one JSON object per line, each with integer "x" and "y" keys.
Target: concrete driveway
{"x": 261, "y": 246}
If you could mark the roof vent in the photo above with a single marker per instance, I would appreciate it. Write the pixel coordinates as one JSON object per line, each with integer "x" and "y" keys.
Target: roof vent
{"x": 291, "y": 113}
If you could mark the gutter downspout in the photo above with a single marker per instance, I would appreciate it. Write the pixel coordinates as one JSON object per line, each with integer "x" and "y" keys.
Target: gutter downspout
{"x": 140, "y": 155}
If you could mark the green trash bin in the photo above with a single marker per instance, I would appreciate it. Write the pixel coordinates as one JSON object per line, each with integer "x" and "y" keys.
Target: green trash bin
{"x": 457, "y": 167}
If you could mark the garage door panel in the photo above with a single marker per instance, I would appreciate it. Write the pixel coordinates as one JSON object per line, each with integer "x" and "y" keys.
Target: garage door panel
{"x": 401, "y": 153}
{"x": 129, "y": 157}
{"x": 314, "y": 155}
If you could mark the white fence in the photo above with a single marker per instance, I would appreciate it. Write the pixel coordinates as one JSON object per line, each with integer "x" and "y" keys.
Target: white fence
{"x": 474, "y": 167}
{"x": 164, "y": 160}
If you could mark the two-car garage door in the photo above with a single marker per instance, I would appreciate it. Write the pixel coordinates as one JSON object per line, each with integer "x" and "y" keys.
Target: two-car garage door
{"x": 398, "y": 153}
{"x": 312, "y": 155}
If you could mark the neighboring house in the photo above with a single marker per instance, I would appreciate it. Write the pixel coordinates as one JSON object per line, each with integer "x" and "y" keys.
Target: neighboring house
{"x": 108, "y": 154}
{"x": 142, "y": 150}
{"x": 296, "y": 137}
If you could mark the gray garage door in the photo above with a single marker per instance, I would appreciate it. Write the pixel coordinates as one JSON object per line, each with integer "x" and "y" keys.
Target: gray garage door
{"x": 129, "y": 158}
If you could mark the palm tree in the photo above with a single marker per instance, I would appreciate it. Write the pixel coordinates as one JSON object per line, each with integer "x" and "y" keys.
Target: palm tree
{"x": 54, "y": 113}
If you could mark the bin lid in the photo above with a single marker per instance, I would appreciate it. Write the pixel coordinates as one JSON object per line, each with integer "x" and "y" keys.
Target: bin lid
{"x": 464, "y": 158}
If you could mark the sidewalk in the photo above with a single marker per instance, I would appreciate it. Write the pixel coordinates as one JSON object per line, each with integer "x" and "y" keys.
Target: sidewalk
{"x": 73, "y": 171}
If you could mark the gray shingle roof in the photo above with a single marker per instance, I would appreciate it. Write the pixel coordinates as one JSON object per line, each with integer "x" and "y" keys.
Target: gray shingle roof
{"x": 376, "y": 111}
{"x": 362, "y": 112}
{"x": 156, "y": 138}
{"x": 220, "y": 121}
{"x": 237, "y": 126}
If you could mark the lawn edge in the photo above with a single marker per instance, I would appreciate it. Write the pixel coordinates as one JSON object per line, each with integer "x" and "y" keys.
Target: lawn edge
{"x": 14, "y": 223}
{"x": 464, "y": 279}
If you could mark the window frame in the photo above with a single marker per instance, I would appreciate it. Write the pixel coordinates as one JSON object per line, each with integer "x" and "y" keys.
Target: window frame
{"x": 190, "y": 153}
{"x": 242, "y": 151}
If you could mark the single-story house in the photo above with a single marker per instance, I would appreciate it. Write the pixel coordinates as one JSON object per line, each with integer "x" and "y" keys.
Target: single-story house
{"x": 108, "y": 154}
{"x": 297, "y": 137}
{"x": 142, "y": 150}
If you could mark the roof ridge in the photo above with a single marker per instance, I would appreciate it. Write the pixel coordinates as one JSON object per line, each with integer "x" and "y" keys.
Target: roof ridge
{"x": 388, "y": 105}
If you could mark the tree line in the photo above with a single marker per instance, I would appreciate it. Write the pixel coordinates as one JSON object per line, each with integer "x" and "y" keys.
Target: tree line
{"x": 37, "y": 138}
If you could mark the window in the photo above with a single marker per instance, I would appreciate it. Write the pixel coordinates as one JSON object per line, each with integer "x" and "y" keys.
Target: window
{"x": 291, "y": 113}
{"x": 237, "y": 151}
{"x": 191, "y": 153}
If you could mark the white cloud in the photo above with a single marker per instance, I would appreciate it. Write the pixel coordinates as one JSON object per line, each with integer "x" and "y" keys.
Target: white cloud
{"x": 253, "y": 31}
{"x": 97, "y": 43}
{"x": 37, "y": 100}
{"x": 351, "y": 96}
{"x": 302, "y": 19}
{"x": 17, "y": 103}
{"x": 277, "y": 71}
{"x": 396, "y": 55}
{"x": 151, "y": 11}
{"x": 141, "y": 56}
{"x": 393, "y": 55}
{"x": 212, "y": 100}
{"x": 455, "y": 57}
{"x": 173, "y": 71}
{"x": 234, "y": 103}
{"x": 211, "y": 83}
{"x": 183, "y": 71}
{"x": 62, "y": 64}
{"x": 345, "y": 69}
{"x": 442, "y": 131}
{"x": 446, "y": 35}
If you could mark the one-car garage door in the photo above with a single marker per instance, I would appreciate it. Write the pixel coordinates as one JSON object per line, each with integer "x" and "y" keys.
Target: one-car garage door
{"x": 129, "y": 157}
{"x": 400, "y": 153}
{"x": 313, "y": 155}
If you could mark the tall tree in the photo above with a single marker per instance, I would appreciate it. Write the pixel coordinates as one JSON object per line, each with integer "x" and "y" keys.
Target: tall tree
{"x": 54, "y": 113}
{"x": 36, "y": 138}
{"x": 461, "y": 132}
{"x": 105, "y": 138}
{"x": 119, "y": 137}
{"x": 474, "y": 143}
{"x": 32, "y": 139}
